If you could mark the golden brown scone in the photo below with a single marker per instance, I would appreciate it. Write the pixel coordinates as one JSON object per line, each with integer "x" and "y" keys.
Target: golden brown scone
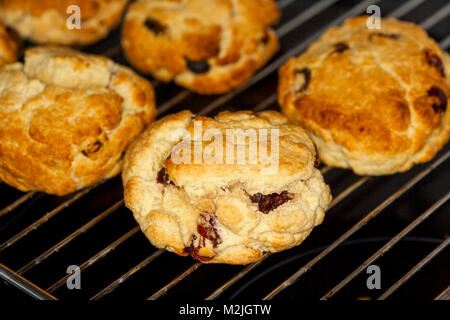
{"x": 45, "y": 21}
{"x": 230, "y": 212}
{"x": 9, "y": 45}
{"x": 207, "y": 46}
{"x": 66, "y": 119}
{"x": 375, "y": 101}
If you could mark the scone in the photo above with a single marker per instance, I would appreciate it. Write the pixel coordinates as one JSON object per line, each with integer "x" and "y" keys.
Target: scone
{"x": 196, "y": 190}
{"x": 66, "y": 119}
{"x": 207, "y": 46}
{"x": 45, "y": 21}
{"x": 10, "y": 45}
{"x": 374, "y": 101}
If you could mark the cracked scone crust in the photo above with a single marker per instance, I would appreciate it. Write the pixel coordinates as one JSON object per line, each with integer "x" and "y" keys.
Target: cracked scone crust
{"x": 224, "y": 213}
{"x": 207, "y": 46}
{"x": 9, "y": 45}
{"x": 66, "y": 119}
{"x": 375, "y": 101}
{"x": 45, "y": 21}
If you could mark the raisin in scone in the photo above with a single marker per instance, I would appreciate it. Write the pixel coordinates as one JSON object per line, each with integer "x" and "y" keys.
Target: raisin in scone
{"x": 66, "y": 119}
{"x": 45, "y": 21}
{"x": 10, "y": 45}
{"x": 374, "y": 101}
{"x": 227, "y": 211}
{"x": 207, "y": 46}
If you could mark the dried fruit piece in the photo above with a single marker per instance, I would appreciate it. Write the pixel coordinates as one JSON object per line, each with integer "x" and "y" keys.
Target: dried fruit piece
{"x": 196, "y": 255}
{"x": 15, "y": 38}
{"x": 194, "y": 252}
{"x": 317, "y": 162}
{"x": 316, "y": 158}
{"x": 92, "y": 148}
{"x": 198, "y": 67}
{"x": 267, "y": 203}
{"x": 306, "y": 74}
{"x": 265, "y": 39}
{"x": 163, "y": 177}
{"x": 154, "y": 26}
{"x": 392, "y": 36}
{"x": 440, "y": 94}
{"x": 207, "y": 228}
{"x": 435, "y": 61}
{"x": 340, "y": 47}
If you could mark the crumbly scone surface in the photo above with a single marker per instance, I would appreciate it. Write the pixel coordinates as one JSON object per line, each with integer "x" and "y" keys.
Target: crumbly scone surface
{"x": 374, "y": 100}
{"x": 66, "y": 118}
{"x": 45, "y": 21}
{"x": 229, "y": 212}
{"x": 207, "y": 46}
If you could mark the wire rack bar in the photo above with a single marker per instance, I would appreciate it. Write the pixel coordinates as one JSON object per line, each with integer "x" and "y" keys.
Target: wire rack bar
{"x": 158, "y": 294}
{"x": 445, "y": 43}
{"x": 405, "y": 8}
{"x": 444, "y": 295}
{"x": 264, "y": 104}
{"x": 436, "y": 17}
{"x": 17, "y": 203}
{"x": 114, "y": 285}
{"x": 344, "y": 194}
{"x": 326, "y": 169}
{"x": 23, "y": 284}
{"x": 284, "y": 3}
{"x": 304, "y": 16}
{"x": 416, "y": 269}
{"x": 173, "y": 101}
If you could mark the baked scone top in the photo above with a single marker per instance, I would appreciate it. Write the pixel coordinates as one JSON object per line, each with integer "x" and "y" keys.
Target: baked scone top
{"x": 375, "y": 100}
{"x": 67, "y": 117}
{"x": 229, "y": 212}
{"x": 9, "y": 45}
{"x": 207, "y": 46}
{"x": 45, "y": 21}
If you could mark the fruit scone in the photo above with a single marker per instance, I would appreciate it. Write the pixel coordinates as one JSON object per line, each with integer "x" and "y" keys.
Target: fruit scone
{"x": 205, "y": 187}
{"x": 374, "y": 100}
{"x": 10, "y": 45}
{"x": 209, "y": 46}
{"x": 46, "y": 21}
{"x": 66, "y": 119}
